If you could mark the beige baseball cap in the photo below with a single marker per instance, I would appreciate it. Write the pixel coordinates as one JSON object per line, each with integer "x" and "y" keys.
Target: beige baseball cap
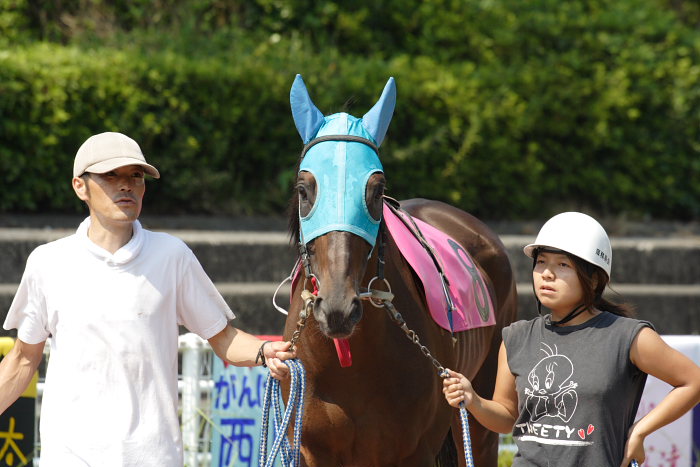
{"x": 108, "y": 151}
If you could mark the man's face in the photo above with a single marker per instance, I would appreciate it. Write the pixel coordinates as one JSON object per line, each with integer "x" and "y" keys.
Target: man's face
{"x": 113, "y": 196}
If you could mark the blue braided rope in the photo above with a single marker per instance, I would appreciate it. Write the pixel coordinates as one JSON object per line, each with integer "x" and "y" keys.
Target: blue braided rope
{"x": 289, "y": 453}
{"x": 634, "y": 463}
{"x": 466, "y": 438}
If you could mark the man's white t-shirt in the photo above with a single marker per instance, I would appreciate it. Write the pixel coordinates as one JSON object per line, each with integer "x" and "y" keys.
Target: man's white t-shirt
{"x": 110, "y": 396}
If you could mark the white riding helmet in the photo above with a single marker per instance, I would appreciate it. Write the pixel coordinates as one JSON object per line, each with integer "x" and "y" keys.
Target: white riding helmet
{"x": 578, "y": 234}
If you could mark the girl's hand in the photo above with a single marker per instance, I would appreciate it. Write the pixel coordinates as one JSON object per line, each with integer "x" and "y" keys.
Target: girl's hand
{"x": 634, "y": 448}
{"x": 457, "y": 389}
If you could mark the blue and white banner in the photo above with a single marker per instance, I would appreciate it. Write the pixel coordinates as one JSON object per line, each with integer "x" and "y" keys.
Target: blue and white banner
{"x": 236, "y": 412}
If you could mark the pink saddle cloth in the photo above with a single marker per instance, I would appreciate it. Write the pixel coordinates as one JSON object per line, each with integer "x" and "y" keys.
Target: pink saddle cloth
{"x": 473, "y": 307}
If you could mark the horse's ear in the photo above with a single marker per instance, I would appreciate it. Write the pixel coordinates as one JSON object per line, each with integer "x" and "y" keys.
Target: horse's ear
{"x": 377, "y": 120}
{"x": 307, "y": 117}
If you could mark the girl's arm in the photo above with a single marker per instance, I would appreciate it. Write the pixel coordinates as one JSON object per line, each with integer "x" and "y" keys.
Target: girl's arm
{"x": 655, "y": 357}
{"x": 497, "y": 415}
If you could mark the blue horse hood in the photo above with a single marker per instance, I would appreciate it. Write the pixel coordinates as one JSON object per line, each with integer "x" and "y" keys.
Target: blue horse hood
{"x": 340, "y": 166}
{"x": 341, "y": 169}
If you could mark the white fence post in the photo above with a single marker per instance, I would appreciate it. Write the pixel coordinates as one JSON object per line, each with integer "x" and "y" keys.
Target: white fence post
{"x": 191, "y": 345}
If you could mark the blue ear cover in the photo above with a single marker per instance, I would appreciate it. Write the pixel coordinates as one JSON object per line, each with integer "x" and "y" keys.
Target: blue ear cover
{"x": 377, "y": 120}
{"x": 307, "y": 117}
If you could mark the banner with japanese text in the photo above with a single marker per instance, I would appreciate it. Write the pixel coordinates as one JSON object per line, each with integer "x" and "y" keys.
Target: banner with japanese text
{"x": 236, "y": 412}
{"x": 17, "y": 422}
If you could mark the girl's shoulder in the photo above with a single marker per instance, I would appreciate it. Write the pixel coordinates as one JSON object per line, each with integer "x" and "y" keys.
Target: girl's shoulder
{"x": 625, "y": 322}
{"x": 521, "y": 328}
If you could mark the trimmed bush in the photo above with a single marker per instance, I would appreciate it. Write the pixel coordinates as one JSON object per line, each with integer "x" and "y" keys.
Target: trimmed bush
{"x": 508, "y": 109}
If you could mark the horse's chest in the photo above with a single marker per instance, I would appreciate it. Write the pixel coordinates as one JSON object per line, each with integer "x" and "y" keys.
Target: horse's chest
{"x": 371, "y": 429}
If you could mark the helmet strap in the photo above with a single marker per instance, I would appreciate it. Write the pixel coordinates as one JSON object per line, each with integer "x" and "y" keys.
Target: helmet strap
{"x": 572, "y": 314}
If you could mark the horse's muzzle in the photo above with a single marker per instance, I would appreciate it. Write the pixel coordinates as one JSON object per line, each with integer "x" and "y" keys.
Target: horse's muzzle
{"x": 337, "y": 319}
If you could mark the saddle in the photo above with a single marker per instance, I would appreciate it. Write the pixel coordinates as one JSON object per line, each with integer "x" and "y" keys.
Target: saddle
{"x": 455, "y": 291}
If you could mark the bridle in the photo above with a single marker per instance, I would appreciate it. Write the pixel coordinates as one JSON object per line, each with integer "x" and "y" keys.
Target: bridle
{"x": 346, "y": 138}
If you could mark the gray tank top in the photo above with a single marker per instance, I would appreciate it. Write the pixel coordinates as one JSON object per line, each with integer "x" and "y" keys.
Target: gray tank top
{"x": 578, "y": 391}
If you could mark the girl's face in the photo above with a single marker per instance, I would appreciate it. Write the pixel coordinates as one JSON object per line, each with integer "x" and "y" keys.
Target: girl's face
{"x": 556, "y": 283}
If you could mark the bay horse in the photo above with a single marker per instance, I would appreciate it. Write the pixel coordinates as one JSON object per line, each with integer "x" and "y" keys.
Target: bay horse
{"x": 387, "y": 407}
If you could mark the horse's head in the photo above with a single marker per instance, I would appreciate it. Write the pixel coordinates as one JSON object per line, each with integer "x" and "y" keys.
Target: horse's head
{"x": 340, "y": 186}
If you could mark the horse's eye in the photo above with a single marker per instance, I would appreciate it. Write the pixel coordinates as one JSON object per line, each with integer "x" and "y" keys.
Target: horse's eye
{"x": 379, "y": 191}
{"x": 373, "y": 195}
{"x": 302, "y": 192}
{"x": 306, "y": 191}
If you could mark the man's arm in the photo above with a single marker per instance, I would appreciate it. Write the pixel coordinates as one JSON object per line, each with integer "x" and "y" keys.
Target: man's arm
{"x": 241, "y": 349}
{"x": 16, "y": 371}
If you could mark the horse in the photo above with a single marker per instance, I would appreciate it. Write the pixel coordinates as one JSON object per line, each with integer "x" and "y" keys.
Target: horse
{"x": 386, "y": 408}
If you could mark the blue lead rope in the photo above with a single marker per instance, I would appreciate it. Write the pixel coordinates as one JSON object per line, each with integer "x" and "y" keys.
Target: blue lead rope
{"x": 464, "y": 417}
{"x": 290, "y": 453}
{"x": 466, "y": 439}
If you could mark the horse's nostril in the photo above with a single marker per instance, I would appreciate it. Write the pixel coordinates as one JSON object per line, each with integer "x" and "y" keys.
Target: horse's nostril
{"x": 355, "y": 311}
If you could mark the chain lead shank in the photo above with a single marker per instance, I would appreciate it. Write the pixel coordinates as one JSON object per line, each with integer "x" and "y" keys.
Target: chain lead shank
{"x": 412, "y": 336}
{"x": 308, "y": 308}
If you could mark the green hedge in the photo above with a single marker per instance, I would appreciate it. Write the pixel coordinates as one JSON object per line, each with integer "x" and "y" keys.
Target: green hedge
{"x": 507, "y": 109}
{"x": 212, "y": 129}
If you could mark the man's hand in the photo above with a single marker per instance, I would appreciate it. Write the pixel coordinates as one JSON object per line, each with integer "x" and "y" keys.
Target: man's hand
{"x": 275, "y": 353}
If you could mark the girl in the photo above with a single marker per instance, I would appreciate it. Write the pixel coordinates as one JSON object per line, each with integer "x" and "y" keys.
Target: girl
{"x": 569, "y": 383}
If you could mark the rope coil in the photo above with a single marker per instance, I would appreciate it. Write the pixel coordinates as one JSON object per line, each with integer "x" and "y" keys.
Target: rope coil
{"x": 289, "y": 452}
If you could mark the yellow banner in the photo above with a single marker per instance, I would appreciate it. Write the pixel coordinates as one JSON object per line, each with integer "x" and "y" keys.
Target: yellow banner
{"x": 6, "y": 344}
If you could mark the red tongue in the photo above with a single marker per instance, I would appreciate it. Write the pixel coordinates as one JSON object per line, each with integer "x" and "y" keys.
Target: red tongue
{"x": 342, "y": 346}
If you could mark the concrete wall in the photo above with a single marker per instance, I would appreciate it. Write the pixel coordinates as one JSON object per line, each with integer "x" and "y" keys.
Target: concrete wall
{"x": 660, "y": 276}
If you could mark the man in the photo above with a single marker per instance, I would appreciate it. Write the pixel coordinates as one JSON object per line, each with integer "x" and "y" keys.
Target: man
{"x": 111, "y": 297}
